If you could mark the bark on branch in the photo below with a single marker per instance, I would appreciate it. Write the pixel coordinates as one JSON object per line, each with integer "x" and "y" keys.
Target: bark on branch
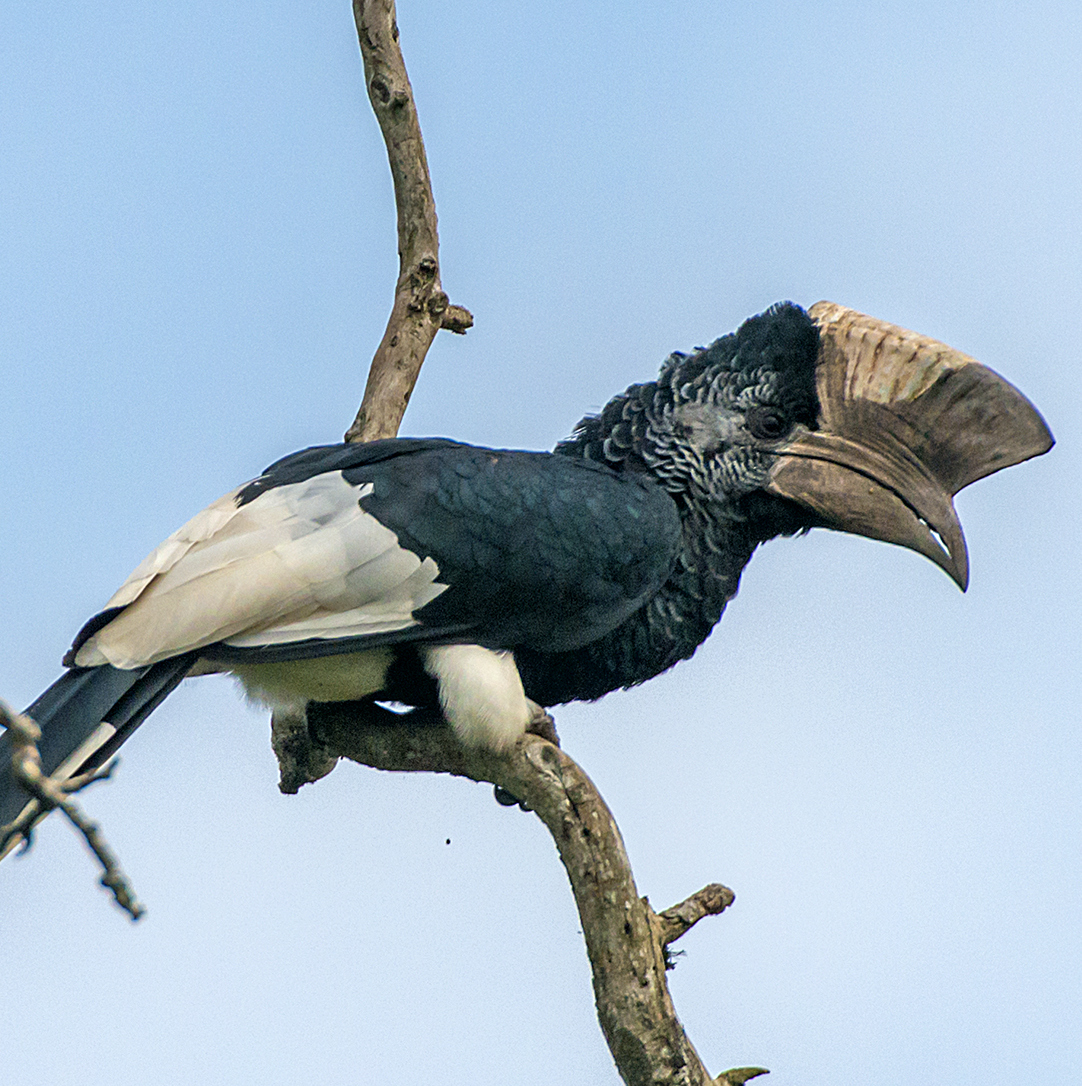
{"x": 421, "y": 308}
{"x": 680, "y": 919}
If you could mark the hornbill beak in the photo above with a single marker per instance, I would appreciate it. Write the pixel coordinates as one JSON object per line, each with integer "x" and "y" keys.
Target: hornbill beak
{"x": 904, "y": 423}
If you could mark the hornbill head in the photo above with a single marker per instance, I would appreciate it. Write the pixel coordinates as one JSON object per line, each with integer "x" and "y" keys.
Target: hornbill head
{"x": 903, "y": 423}
{"x": 859, "y": 425}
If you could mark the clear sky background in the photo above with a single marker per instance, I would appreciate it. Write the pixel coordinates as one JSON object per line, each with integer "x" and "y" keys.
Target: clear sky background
{"x": 197, "y": 255}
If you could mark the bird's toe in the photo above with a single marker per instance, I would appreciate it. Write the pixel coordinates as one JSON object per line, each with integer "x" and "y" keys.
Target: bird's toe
{"x": 541, "y": 723}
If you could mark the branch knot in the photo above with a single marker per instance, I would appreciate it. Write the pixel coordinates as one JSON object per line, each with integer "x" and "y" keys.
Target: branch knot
{"x": 380, "y": 90}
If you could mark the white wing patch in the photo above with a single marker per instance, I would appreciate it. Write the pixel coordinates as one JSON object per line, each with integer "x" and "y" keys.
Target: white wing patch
{"x": 166, "y": 555}
{"x": 299, "y": 561}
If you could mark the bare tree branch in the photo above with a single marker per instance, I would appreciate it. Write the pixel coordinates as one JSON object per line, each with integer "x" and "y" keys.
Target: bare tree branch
{"x": 421, "y": 307}
{"x": 52, "y": 792}
{"x": 625, "y": 938}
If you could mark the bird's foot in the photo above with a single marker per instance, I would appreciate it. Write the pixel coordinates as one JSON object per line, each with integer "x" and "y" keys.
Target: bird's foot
{"x": 542, "y": 724}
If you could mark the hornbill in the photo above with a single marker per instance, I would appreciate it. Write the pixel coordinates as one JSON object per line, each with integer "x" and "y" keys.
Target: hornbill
{"x": 491, "y": 583}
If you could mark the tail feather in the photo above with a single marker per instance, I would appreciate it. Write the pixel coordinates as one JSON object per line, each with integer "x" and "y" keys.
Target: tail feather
{"x": 72, "y": 708}
{"x": 84, "y": 717}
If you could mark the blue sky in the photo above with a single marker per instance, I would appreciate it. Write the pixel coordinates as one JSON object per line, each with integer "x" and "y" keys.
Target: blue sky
{"x": 197, "y": 250}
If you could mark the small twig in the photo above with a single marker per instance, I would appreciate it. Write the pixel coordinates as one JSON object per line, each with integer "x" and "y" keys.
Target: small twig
{"x": 49, "y": 793}
{"x": 457, "y": 319}
{"x": 421, "y": 308}
{"x": 680, "y": 919}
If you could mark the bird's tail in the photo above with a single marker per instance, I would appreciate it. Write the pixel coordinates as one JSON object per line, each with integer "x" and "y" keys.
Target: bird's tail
{"x": 84, "y": 717}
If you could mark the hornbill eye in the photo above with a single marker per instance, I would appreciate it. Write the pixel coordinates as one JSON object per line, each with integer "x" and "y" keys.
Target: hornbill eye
{"x": 767, "y": 423}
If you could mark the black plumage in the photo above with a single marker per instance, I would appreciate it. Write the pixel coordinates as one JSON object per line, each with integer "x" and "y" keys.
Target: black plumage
{"x": 536, "y": 550}
{"x": 766, "y": 368}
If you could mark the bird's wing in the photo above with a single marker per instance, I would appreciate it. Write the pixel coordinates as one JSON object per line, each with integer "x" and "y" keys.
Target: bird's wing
{"x": 344, "y": 546}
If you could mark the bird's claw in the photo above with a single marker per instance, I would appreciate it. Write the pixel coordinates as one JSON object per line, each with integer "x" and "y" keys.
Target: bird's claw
{"x": 508, "y": 799}
{"x": 541, "y": 723}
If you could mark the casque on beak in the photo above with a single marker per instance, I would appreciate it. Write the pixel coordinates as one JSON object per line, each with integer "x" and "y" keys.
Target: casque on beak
{"x": 904, "y": 423}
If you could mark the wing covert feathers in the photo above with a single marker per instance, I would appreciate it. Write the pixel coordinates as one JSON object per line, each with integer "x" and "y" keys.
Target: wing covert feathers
{"x": 299, "y": 561}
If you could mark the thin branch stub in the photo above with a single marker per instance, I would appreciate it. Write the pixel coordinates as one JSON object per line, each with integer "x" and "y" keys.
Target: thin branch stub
{"x": 711, "y": 900}
{"x": 737, "y": 1076}
{"x": 457, "y": 319}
